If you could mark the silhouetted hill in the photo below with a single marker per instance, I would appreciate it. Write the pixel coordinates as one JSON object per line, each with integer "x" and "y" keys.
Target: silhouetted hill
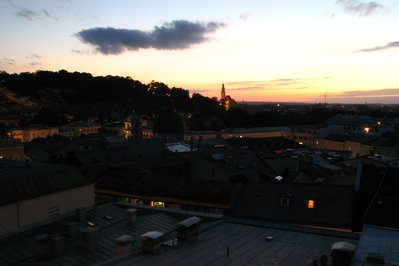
{"x": 84, "y": 94}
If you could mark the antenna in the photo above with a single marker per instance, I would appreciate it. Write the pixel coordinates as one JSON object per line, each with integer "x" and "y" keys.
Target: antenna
{"x": 325, "y": 97}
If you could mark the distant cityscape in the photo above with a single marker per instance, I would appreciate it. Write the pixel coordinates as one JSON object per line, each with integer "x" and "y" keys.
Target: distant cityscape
{"x": 107, "y": 170}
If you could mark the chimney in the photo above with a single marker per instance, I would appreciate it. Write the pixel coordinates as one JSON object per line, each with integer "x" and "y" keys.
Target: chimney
{"x": 42, "y": 245}
{"x": 88, "y": 238}
{"x": 152, "y": 241}
{"x": 342, "y": 253}
{"x": 81, "y": 215}
{"x": 123, "y": 245}
{"x": 131, "y": 215}
{"x": 56, "y": 245}
{"x": 187, "y": 230}
{"x": 70, "y": 229}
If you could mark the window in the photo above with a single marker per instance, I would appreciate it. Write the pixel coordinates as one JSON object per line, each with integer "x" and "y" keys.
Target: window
{"x": 159, "y": 204}
{"x": 311, "y": 204}
{"x": 285, "y": 202}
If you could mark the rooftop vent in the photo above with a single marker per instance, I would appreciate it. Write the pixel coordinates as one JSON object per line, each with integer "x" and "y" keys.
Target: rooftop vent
{"x": 88, "y": 238}
{"x": 342, "y": 253}
{"x": 57, "y": 243}
{"x": 152, "y": 241}
{"x": 42, "y": 245}
{"x": 187, "y": 230}
{"x": 70, "y": 229}
{"x": 131, "y": 215}
{"x": 123, "y": 245}
{"x": 81, "y": 212}
{"x": 49, "y": 246}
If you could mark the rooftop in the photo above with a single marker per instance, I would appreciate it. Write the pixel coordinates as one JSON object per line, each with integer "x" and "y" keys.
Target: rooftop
{"x": 378, "y": 240}
{"x": 21, "y": 181}
{"x": 228, "y": 241}
{"x": 231, "y": 243}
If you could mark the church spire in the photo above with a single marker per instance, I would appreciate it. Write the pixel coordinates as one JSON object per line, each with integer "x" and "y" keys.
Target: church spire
{"x": 223, "y": 93}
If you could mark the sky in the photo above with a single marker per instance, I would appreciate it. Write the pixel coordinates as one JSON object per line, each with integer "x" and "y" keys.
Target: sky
{"x": 335, "y": 51}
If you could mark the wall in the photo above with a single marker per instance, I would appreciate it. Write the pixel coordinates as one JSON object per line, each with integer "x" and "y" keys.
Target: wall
{"x": 42, "y": 209}
{"x": 13, "y": 152}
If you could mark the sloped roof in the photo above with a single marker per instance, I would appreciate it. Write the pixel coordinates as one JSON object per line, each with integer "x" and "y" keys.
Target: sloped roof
{"x": 20, "y": 181}
{"x": 38, "y": 155}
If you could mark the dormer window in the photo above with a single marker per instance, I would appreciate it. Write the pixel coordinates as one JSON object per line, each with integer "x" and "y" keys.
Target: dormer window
{"x": 285, "y": 202}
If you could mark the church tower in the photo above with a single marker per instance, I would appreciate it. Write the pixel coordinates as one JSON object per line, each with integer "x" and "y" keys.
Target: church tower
{"x": 223, "y": 93}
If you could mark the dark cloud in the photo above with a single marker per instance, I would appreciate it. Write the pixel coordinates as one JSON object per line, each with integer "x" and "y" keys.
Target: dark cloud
{"x": 361, "y": 96}
{"x": 30, "y": 14}
{"x": 34, "y": 63}
{"x": 49, "y": 14}
{"x": 7, "y": 62}
{"x": 27, "y": 13}
{"x": 249, "y": 88}
{"x": 80, "y": 51}
{"x": 371, "y": 93}
{"x": 383, "y": 47}
{"x": 33, "y": 56}
{"x": 359, "y": 8}
{"x": 175, "y": 35}
{"x": 273, "y": 84}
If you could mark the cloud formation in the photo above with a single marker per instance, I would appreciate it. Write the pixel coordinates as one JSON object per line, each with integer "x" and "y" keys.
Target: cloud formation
{"x": 7, "y": 62}
{"x": 34, "y": 63}
{"x": 359, "y": 8}
{"x": 27, "y": 13}
{"x": 33, "y": 56}
{"x": 284, "y": 83}
{"x": 75, "y": 51}
{"x": 175, "y": 35}
{"x": 30, "y": 14}
{"x": 371, "y": 93}
{"x": 382, "y": 47}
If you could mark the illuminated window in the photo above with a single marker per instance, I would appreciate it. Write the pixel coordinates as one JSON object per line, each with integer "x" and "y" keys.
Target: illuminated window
{"x": 158, "y": 204}
{"x": 367, "y": 129}
{"x": 311, "y": 204}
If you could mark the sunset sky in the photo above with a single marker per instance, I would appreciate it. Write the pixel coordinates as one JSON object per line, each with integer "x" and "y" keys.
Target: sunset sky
{"x": 283, "y": 51}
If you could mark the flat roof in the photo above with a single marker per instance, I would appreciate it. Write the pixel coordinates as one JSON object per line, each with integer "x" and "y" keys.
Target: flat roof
{"x": 248, "y": 245}
{"x": 380, "y": 240}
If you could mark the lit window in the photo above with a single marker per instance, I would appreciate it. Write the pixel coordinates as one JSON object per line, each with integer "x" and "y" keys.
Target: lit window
{"x": 158, "y": 204}
{"x": 311, "y": 204}
{"x": 367, "y": 129}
